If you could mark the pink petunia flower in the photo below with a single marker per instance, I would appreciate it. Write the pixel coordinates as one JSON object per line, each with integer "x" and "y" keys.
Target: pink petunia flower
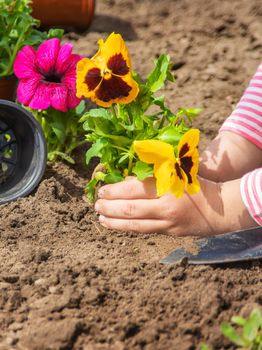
{"x": 47, "y": 76}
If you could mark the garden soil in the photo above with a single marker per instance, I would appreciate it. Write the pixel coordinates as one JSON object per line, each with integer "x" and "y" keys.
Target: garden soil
{"x": 68, "y": 283}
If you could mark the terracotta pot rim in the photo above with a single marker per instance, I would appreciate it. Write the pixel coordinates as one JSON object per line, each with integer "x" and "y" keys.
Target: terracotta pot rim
{"x": 47, "y": 17}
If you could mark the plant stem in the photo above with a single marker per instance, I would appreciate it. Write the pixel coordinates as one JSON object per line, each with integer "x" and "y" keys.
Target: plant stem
{"x": 130, "y": 161}
{"x": 129, "y": 116}
{"x": 120, "y": 148}
{"x": 162, "y": 121}
{"x": 15, "y": 50}
{"x": 114, "y": 112}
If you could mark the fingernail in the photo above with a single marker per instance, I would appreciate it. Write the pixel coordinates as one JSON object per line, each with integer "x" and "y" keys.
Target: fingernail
{"x": 97, "y": 207}
{"x": 100, "y": 193}
{"x": 101, "y": 218}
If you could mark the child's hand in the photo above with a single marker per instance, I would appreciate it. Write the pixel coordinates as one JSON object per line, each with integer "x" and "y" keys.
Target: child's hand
{"x": 132, "y": 205}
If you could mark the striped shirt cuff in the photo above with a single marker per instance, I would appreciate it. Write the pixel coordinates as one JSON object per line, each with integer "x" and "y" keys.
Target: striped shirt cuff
{"x": 246, "y": 119}
{"x": 251, "y": 193}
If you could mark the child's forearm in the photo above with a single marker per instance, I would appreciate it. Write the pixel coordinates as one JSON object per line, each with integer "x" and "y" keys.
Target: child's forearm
{"x": 229, "y": 156}
{"x": 238, "y": 147}
{"x": 235, "y": 214}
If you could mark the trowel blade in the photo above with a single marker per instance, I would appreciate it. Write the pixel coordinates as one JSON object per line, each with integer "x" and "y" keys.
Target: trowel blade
{"x": 229, "y": 247}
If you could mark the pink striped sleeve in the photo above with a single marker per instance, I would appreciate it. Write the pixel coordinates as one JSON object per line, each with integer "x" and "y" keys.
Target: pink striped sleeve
{"x": 251, "y": 193}
{"x": 246, "y": 119}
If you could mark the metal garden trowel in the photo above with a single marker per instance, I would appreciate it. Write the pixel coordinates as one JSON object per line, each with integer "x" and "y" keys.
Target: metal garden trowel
{"x": 244, "y": 245}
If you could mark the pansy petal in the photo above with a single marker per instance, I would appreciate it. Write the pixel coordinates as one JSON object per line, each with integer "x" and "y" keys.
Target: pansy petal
{"x": 118, "y": 65}
{"x": 24, "y": 65}
{"x": 195, "y": 160}
{"x": 154, "y": 151}
{"x": 189, "y": 164}
{"x": 162, "y": 172}
{"x": 188, "y": 142}
{"x": 114, "y": 90}
{"x": 110, "y": 90}
{"x": 27, "y": 88}
{"x": 114, "y": 44}
{"x": 193, "y": 187}
{"x": 178, "y": 182}
{"x": 87, "y": 75}
{"x": 47, "y": 54}
{"x": 133, "y": 92}
{"x": 98, "y": 54}
{"x": 63, "y": 58}
{"x": 41, "y": 98}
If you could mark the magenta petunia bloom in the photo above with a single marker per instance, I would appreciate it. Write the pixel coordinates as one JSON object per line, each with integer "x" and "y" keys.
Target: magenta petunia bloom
{"x": 47, "y": 76}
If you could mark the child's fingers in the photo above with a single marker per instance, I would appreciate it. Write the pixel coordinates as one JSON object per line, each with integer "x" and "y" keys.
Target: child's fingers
{"x": 131, "y": 209}
{"x": 137, "y": 225}
{"x": 129, "y": 189}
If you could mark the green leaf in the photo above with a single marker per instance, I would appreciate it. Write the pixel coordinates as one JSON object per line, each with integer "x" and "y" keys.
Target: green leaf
{"x": 34, "y": 39}
{"x": 55, "y": 33}
{"x": 204, "y": 347}
{"x": 189, "y": 113}
{"x": 170, "y": 76}
{"x": 102, "y": 126}
{"x": 99, "y": 113}
{"x": 170, "y": 134}
{"x": 240, "y": 321}
{"x": 252, "y": 325}
{"x": 256, "y": 315}
{"x": 250, "y": 330}
{"x": 59, "y": 130}
{"x": 159, "y": 101}
{"x": 158, "y": 76}
{"x": 100, "y": 176}
{"x": 90, "y": 189}
{"x": 230, "y": 333}
{"x": 13, "y": 34}
{"x": 113, "y": 177}
{"x": 119, "y": 140}
{"x": 54, "y": 154}
{"x": 95, "y": 150}
{"x": 123, "y": 158}
{"x": 142, "y": 170}
{"x": 80, "y": 108}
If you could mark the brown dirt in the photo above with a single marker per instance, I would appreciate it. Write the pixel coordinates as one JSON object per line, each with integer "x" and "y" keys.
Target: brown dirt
{"x": 68, "y": 283}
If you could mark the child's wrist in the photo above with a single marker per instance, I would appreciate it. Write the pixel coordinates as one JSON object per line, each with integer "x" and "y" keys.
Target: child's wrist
{"x": 236, "y": 215}
{"x": 228, "y": 157}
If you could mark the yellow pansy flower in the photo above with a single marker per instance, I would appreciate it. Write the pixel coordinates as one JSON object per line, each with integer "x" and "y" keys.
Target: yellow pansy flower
{"x": 107, "y": 78}
{"x": 175, "y": 174}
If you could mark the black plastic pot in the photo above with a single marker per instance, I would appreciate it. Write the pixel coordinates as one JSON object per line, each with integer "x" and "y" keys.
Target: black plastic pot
{"x": 22, "y": 152}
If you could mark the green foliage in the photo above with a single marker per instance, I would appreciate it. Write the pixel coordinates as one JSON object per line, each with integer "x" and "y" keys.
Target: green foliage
{"x": 250, "y": 336}
{"x": 63, "y": 131}
{"x": 113, "y": 131}
{"x": 204, "y": 347}
{"x": 17, "y": 29}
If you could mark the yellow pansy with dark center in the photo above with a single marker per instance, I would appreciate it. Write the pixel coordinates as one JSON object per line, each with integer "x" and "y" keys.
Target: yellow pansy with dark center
{"x": 107, "y": 77}
{"x": 175, "y": 174}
